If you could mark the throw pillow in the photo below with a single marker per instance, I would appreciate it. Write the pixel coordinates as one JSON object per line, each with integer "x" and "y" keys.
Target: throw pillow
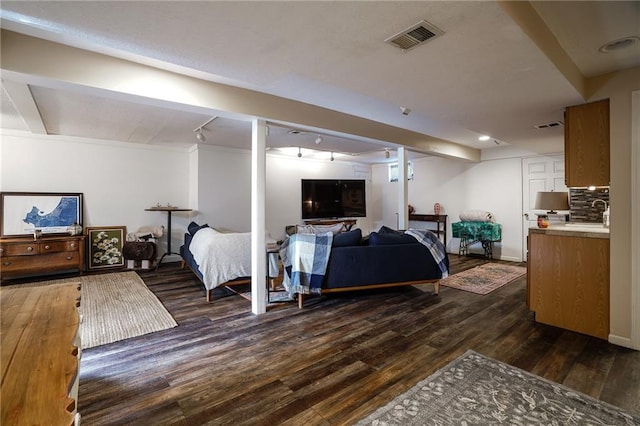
{"x": 347, "y": 239}
{"x": 194, "y": 227}
{"x": 381, "y": 239}
{"x": 387, "y": 230}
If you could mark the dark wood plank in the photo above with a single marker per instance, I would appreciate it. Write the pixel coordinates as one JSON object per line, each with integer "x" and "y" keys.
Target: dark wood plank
{"x": 332, "y": 362}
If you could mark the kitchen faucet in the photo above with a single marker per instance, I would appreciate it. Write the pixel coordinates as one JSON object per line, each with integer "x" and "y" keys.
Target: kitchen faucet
{"x": 605, "y": 214}
{"x": 602, "y": 201}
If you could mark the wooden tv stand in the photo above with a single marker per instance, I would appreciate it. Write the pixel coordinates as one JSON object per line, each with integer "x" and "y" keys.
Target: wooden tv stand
{"x": 348, "y": 223}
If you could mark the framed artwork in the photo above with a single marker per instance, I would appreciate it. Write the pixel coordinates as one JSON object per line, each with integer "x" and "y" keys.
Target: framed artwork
{"x": 105, "y": 246}
{"x": 24, "y": 213}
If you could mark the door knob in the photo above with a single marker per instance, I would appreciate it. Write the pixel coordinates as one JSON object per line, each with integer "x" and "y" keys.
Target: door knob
{"x": 526, "y": 215}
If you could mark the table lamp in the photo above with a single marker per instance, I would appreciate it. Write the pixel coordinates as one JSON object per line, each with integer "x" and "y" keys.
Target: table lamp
{"x": 550, "y": 201}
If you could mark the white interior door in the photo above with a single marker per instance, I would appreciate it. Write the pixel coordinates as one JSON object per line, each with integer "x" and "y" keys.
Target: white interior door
{"x": 538, "y": 174}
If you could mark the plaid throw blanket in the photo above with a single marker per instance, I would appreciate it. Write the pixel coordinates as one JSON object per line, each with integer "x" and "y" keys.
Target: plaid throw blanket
{"x": 305, "y": 258}
{"x": 435, "y": 246}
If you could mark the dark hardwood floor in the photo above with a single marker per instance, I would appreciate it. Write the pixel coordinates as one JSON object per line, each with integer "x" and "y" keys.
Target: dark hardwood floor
{"x": 331, "y": 363}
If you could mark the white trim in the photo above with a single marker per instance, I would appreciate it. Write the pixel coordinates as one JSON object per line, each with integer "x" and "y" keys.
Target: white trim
{"x": 620, "y": 341}
{"x": 403, "y": 189}
{"x": 635, "y": 220}
{"x": 258, "y": 214}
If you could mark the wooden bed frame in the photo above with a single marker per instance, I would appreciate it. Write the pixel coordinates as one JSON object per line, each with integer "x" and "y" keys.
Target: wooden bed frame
{"x": 237, "y": 281}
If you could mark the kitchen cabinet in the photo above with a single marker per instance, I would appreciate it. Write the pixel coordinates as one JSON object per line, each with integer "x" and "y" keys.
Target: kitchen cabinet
{"x": 568, "y": 280}
{"x": 586, "y": 144}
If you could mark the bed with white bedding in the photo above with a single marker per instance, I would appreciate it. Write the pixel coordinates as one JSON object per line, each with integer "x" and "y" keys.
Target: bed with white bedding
{"x": 222, "y": 259}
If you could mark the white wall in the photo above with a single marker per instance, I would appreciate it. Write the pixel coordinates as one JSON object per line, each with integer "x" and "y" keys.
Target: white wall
{"x": 118, "y": 180}
{"x": 619, "y": 88}
{"x": 284, "y": 197}
{"x": 223, "y": 196}
{"x": 493, "y": 185}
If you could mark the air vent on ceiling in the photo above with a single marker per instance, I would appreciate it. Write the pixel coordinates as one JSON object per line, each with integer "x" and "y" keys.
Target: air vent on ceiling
{"x": 547, "y": 125}
{"x": 415, "y": 35}
{"x": 296, "y": 132}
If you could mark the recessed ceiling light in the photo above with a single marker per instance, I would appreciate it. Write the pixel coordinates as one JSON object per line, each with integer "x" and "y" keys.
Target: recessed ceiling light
{"x": 619, "y": 44}
{"x": 484, "y": 138}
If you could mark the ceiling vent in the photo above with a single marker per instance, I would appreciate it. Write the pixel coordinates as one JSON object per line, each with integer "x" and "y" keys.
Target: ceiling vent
{"x": 548, "y": 125}
{"x": 415, "y": 35}
{"x": 296, "y": 132}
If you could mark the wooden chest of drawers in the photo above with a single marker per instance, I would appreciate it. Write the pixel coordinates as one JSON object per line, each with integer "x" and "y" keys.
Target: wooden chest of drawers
{"x": 22, "y": 257}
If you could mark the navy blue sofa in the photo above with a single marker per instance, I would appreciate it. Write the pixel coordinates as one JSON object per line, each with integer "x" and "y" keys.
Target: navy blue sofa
{"x": 386, "y": 258}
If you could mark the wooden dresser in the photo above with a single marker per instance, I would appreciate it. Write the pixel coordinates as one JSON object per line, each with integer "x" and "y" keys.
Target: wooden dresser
{"x": 40, "y": 354}
{"x": 23, "y": 257}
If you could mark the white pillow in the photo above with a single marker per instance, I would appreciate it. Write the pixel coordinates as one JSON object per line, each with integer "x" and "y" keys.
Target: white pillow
{"x": 320, "y": 229}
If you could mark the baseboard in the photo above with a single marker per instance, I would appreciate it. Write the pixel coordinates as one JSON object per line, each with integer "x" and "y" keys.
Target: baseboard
{"x": 510, "y": 258}
{"x": 620, "y": 341}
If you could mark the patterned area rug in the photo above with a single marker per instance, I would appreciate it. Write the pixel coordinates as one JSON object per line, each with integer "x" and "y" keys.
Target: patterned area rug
{"x": 485, "y": 278}
{"x": 477, "y": 390}
{"x": 115, "y": 307}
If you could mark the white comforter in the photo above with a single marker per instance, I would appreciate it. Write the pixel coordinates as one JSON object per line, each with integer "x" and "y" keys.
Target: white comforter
{"x": 223, "y": 257}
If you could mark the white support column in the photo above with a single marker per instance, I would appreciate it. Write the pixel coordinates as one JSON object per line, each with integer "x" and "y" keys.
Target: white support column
{"x": 258, "y": 221}
{"x": 403, "y": 190}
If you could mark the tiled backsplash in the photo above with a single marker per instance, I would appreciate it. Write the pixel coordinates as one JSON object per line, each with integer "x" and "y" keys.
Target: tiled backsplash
{"x": 580, "y": 201}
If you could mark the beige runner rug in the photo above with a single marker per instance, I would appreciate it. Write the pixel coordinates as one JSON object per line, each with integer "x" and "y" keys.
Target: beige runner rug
{"x": 115, "y": 307}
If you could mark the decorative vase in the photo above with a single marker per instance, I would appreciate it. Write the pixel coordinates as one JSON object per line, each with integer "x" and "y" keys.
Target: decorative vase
{"x": 74, "y": 229}
{"x": 436, "y": 209}
{"x": 543, "y": 221}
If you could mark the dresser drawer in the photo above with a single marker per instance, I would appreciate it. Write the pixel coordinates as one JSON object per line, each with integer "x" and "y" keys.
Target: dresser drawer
{"x": 57, "y": 246}
{"x": 19, "y": 249}
{"x": 18, "y": 265}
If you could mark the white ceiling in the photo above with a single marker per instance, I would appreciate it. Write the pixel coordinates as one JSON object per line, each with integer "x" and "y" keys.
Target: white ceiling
{"x": 483, "y": 76}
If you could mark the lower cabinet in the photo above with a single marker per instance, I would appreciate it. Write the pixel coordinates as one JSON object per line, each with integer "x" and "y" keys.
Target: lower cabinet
{"x": 568, "y": 282}
{"x": 23, "y": 257}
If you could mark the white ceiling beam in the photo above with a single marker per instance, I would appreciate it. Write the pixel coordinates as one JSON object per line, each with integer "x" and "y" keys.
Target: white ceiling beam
{"x": 523, "y": 14}
{"x": 36, "y": 58}
{"x": 25, "y": 105}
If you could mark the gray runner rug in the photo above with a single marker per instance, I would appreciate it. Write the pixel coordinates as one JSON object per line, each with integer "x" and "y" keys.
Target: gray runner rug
{"x": 477, "y": 390}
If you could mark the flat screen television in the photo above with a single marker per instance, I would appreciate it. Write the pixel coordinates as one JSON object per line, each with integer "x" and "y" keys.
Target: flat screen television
{"x": 333, "y": 198}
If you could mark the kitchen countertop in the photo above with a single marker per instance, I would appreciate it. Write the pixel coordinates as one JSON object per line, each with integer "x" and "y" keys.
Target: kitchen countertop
{"x": 585, "y": 230}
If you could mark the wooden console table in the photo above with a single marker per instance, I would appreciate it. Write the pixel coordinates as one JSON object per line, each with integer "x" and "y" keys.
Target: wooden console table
{"x": 440, "y": 220}
{"x": 40, "y": 354}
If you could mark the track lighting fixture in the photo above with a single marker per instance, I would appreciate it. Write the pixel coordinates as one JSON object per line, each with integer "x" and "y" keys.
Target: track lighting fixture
{"x": 199, "y": 135}
{"x": 332, "y": 156}
{"x": 318, "y": 140}
{"x": 299, "y": 152}
{"x": 387, "y": 154}
{"x": 198, "y": 130}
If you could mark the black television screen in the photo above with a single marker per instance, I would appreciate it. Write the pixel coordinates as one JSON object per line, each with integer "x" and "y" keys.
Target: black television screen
{"x": 333, "y": 198}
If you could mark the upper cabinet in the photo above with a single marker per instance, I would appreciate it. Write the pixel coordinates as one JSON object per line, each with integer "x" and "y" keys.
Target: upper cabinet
{"x": 586, "y": 144}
